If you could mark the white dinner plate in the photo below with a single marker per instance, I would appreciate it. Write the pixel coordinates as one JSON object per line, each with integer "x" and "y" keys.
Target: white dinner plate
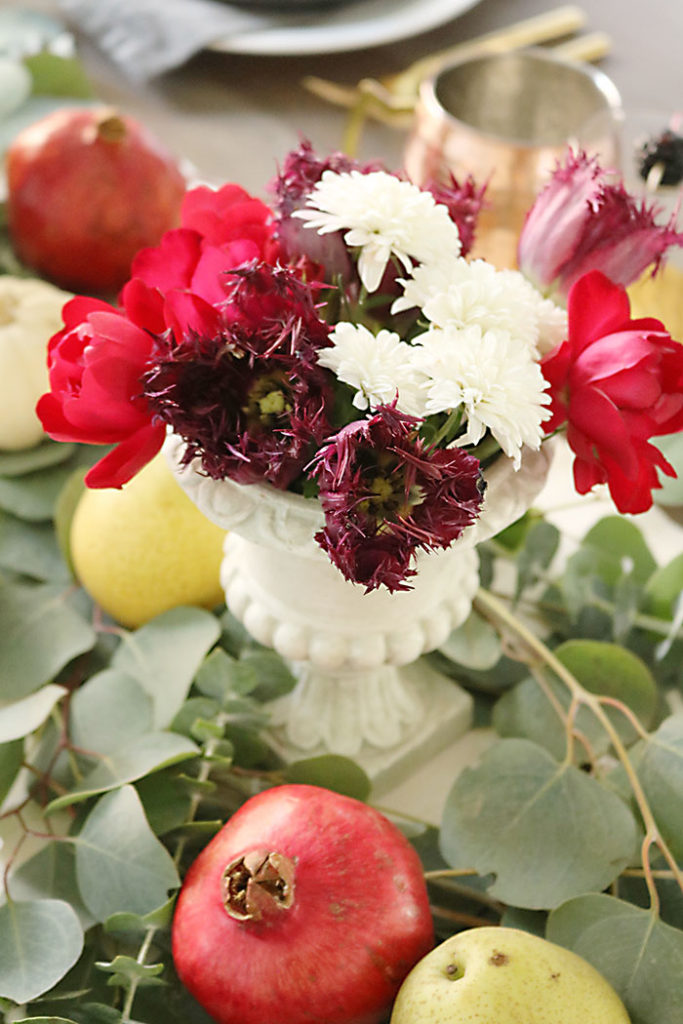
{"x": 354, "y": 26}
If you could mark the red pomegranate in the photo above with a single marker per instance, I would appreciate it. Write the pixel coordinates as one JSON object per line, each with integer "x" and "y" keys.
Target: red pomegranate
{"x": 307, "y": 907}
{"x": 86, "y": 189}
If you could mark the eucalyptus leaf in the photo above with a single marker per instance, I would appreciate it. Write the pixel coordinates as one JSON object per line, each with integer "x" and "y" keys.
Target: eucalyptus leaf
{"x": 540, "y": 547}
{"x": 23, "y": 716}
{"x": 108, "y": 711}
{"x": 11, "y": 757}
{"x": 34, "y": 495}
{"x": 476, "y": 644}
{"x": 120, "y": 864}
{"x": 214, "y": 677}
{"x": 619, "y": 548}
{"x": 664, "y": 588}
{"x": 39, "y": 634}
{"x": 638, "y": 954}
{"x": 166, "y": 799}
{"x": 513, "y": 536}
{"x": 234, "y": 636}
{"x": 331, "y": 771}
{"x": 194, "y": 708}
{"x": 671, "y": 490}
{"x": 659, "y": 764}
{"x": 64, "y": 511}
{"x": 526, "y": 712}
{"x": 31, "y": 549}
{"x": 144, "y": 754}
{"x": 248, "y": 749}
{"x": 51, "y": 874}
{"x": 141, "y": 923}
{"x": 615, "y": 672}
{"x": 205, "y": 730}
{"x": 165, "y": 654}
{"x": 547, "y": 831}
{"x": 273, "y": 676}
{"x": 97, "y": 1013}
{"x": 29, "y": 460}
{"x": 39, "y": 941}
{"x": 125, "y": 970}
{"x": 533, "y": 921}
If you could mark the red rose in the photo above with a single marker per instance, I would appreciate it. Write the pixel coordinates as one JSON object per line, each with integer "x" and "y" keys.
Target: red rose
{"x": 617, "y": 382}
{"x": 229, "y": 214}
{"x": 95, "y": 364}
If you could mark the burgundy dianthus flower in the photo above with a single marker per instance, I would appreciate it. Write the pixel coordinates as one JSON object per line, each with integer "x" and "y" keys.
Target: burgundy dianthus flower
{"x": 244, "y": 389}
{"x": 386, "y": 495}
{"x": 464, "y": 204}
{"x": 301, "y": 170}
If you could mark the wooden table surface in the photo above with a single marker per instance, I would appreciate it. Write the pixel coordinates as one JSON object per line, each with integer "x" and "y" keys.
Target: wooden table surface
{"x": 234, "y": 115}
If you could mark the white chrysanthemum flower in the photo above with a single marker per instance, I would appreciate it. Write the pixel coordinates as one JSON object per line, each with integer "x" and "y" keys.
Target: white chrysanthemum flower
{"x": 493, "y": 378}
{"x": 458, "y": 293}
{"x": 383, "y": 217}
{"x": 552, "y": 325}
{"x": 378, "y": 366}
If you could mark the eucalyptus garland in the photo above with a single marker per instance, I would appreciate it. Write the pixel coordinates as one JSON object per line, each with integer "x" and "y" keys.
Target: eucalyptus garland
{"x": 123, "y": 752}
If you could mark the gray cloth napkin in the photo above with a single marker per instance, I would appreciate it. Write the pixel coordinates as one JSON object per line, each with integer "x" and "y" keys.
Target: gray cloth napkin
{"x": 147, "y": 37}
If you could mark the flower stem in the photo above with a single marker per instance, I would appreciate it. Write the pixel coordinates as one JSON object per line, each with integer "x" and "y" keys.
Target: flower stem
{"x": 448, "y": 427}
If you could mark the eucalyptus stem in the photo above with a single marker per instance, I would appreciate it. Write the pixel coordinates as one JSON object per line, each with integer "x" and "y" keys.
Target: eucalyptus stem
{"x": 626, "y": 711}
{"x": 561, "y": 713}
{"x": 132, "y": 988}
{"x": 493, "y": 607}
{"x": 431, "y": 876}
{"x": 202, "y": 776}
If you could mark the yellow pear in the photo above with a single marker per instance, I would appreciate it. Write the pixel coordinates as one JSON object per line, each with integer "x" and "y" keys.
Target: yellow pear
{"x": 505, "y": 976}
{"x": 145, "y": 548}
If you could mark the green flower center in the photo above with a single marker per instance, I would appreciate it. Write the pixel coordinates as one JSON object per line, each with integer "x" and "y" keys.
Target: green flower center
{"x": 267, "y": 399}
{"x": 388, "y": 499}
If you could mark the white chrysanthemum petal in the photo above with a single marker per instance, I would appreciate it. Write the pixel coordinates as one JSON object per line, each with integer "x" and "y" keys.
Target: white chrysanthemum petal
{"x": 379, "y": 367}
{"x": 382, "y": 216}
{"x": 493, "y": 377}
{"x": 552, "y": 326}
{"x": 458, "y": 293}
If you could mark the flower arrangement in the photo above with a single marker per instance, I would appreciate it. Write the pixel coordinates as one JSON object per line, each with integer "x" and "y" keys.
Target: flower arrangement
{"x": 340, "y": 343}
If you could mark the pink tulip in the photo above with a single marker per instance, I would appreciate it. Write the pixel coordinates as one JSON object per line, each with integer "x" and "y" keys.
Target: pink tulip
{"x": 581, "y": 222}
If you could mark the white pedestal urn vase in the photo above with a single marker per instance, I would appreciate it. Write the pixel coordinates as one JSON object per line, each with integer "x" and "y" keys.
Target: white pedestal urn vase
{"x": 362, "y": 689}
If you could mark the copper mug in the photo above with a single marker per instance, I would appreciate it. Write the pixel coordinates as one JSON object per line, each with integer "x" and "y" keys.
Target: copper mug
{"x": 506, "y": 119}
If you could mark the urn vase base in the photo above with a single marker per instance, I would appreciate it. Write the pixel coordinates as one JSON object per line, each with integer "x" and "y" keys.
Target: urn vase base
{"x": 439, "y": 709}
{"x": 364, "y": 689}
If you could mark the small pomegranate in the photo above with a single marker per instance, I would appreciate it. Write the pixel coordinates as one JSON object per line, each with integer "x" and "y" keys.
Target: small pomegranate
{"x": 306, "y": 907}
{"x": 86, "y": 189}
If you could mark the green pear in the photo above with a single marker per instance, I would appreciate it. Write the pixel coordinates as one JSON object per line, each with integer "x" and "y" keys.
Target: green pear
{"x": 505, "y": 976}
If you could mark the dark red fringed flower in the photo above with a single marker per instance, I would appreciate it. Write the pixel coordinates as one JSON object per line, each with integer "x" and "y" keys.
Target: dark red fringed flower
{"x": 464, "y": 204}
{"x": 242, "y": 386}
{"x": 386, "y": 495}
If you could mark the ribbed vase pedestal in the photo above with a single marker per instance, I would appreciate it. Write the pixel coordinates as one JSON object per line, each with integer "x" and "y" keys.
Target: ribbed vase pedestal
{"x": 363, "y": 689}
